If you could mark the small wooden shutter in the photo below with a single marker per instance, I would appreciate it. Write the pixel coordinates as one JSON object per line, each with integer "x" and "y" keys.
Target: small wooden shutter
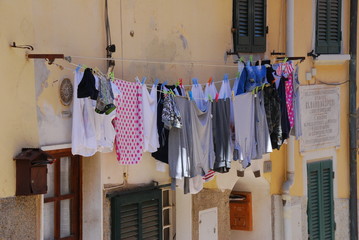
{"x": 320, "y": 200}
{"x": 249, "y": 24}
{"x": 328, "y": 26}
{"x": 137, "y": 215}
{"x": 241, "y": 25}
{"x": 259, "y": 26}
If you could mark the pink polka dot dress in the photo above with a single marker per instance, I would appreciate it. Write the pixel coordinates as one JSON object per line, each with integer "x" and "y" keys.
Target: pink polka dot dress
{"x": 129, "y": 123}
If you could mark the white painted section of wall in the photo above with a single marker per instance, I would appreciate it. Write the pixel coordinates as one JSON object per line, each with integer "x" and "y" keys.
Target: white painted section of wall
{"x": 53, "y": 128}
{"x": 261, "y": 206}
{"x": 208, "y": 224}
{"x": 341, "y": 214}
{"x": 92, "y": 217}
{"x": 183, "y": 215}
{"x": 277, "y": 217}
{"x": 56, "y": 147}
{"x": 142, "y": 173}
{"x": 325, "y": 154}
{"x": 295, "y": 218}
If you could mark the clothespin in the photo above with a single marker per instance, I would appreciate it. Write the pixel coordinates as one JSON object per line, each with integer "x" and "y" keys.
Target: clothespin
{"x": 237, "y": 74}
{"x": 210, "y": 81}
{"x": 190, "y": 95}
{"x": 195, "y": 81}
{"x": 181, "y": 82}
{"x": 171, "y": 92}
{"x": 251, "y": 58}
{"x": 264, "y": 84}
{"x": 156, "y": 82}
{"x": 225, "y": 78}
{"x": 78, "y": 68}
{"x": 210, "y": 98}
{"x": 217, "y": 96}
{"x": 241, "y": 59}
{"x": 112, "y": 76}
{"x": 285, "y": 60}
{"x": 143, "y": 80}
{"x": 232, "y": 95}
{"x": 165, "y": 83}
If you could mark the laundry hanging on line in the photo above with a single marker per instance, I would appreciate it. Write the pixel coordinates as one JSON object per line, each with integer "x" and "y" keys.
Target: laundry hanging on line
{"x": 227, "y": 109}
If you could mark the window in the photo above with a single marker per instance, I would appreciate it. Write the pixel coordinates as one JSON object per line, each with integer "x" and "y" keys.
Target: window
{"x": 328, "y": 27}
{"x": 320, "y": 200}
{"x": 62, "y": 201}
{"x": 249, "y": 26}
{"x": 143, "y": 215}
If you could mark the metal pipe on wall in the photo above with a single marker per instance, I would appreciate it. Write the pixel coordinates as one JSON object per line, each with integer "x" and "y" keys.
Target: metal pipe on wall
{"x": 353, "y": 208}
{"x": 287, "y": 210}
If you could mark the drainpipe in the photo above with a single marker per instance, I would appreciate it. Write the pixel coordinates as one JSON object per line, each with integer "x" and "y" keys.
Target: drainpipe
{"x": 287, "y": 211}
{"x": 353, "y": 208}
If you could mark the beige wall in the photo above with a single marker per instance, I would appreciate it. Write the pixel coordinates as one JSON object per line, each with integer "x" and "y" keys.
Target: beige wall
{"x": 18, "y": 116}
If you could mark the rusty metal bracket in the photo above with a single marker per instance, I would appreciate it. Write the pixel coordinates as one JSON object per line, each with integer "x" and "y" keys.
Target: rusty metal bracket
{"x": 50, "y": 57}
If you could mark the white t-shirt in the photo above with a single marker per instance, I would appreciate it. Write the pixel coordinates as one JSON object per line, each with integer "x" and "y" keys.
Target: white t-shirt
{"x": 91, "y": 132}
{"x": 149, "y": 109}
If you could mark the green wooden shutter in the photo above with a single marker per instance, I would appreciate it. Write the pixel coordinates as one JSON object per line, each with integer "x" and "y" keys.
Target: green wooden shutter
{"x": 320, "y": 200}
{"x": 137, "y": 215}
{"x": 327, "y": 200}
{"x": 259, "y": 26}
{"x": 241, "y": 24}
{"x": 249, "y": 24}
{"x": 314, "y": 199}
{"x": 328, "y": 26}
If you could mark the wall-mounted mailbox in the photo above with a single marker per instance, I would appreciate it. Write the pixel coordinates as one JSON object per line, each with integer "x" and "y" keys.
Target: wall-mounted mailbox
{"x": 240, "y": 204}
{"x": 31, "y": 171}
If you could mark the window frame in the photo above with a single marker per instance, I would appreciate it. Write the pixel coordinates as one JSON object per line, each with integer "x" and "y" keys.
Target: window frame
{"x": 75, "y": 195}
{"x": 246, "y": 26}
{"x": 327, "y": 46}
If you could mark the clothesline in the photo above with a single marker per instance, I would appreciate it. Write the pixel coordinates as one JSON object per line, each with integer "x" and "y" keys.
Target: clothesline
{"x": 149, "y": 86}
{"x": 191, "y": 63}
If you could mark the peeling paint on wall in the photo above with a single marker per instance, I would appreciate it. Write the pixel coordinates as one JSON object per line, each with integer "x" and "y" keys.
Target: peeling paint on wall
{"x": 184, "y": 41}
{"x": 41, "y": 76}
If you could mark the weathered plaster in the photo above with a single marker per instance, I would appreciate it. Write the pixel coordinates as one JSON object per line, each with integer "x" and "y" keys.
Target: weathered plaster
{"x": 210, "y": 198}
{"x": 20, "y": 218}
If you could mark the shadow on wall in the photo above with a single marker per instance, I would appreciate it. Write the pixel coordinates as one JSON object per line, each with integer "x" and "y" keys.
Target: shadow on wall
{"x": 261, "y": 206}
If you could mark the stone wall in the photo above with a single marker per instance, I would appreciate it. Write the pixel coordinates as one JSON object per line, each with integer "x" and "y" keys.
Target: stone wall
{"x": 20, "y": 218}
{"x": 210, "y": 198}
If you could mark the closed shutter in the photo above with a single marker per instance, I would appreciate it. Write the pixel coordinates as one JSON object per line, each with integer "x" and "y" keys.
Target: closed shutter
{"x": 314, "y": 200}
{"x": 320, "y": 200}
{"x": 327, "y": 201}
{"x": 259, "y": 26}
{"x": 328, "y": 26}
{"x": 137, "y": 215}
{"x": 241, "y": 25}
{"x": 249, "y": 24}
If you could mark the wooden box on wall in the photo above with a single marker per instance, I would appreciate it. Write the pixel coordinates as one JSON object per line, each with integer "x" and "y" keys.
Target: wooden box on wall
{"x": 31, "y": 172}
{"x": 241, "y": 211}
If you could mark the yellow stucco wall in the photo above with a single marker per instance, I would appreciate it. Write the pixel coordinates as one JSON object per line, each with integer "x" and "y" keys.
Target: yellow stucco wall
{"x": 327, "y": 73}
{"x": 18, "y": 116}
{"x": 163, "y": 31}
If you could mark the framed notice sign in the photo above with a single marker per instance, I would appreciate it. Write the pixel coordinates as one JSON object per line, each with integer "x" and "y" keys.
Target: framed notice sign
{"x": 320, "y": 116}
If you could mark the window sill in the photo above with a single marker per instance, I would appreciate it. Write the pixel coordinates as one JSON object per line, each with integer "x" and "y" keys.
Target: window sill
{"x": 332, "y": 59}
